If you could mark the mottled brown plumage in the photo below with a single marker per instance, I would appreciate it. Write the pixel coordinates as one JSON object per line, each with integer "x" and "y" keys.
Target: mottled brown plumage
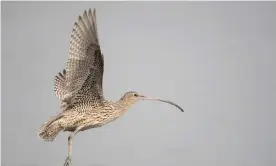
{"x": 79, "y": 87}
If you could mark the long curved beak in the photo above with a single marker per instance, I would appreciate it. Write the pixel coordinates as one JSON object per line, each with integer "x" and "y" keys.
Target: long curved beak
{"x": 165, "y": 101}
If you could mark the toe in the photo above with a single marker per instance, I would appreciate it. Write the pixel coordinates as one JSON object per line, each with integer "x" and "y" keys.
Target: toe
{"x": 67, "y": 162}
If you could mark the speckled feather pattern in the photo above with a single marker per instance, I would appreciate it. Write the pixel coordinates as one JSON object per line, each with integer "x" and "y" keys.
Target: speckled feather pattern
{"x": 85, "y": 65}
{"x": 79, "y": 86}
{"x": 88, "y": 115}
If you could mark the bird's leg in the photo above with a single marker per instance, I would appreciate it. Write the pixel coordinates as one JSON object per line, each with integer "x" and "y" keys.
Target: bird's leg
{"x": 69, "y": 157}
{"x": 70, "y": 140}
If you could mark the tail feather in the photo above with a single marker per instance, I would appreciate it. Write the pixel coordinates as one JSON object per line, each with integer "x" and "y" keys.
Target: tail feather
{"x": 50, "y": 129}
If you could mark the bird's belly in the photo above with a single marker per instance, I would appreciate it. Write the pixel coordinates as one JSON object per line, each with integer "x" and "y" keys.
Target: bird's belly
{"x": 98, "y": 123}
{"x": 88, "y": 120}
{"x": 89, "y": 127}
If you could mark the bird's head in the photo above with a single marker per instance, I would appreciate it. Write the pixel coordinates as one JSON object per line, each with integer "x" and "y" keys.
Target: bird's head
{"x": 132, "y": 97}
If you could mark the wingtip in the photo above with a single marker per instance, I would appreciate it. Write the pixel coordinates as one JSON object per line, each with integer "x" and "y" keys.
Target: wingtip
{"x": 84, "y": 13}
{"x": 94, "y": 12}
{"x": 90, "y": 10}
{"x": 79, "y": 18}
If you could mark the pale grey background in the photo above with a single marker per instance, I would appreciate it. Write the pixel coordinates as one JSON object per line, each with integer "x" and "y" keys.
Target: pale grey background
{"x": 217, "y": 60}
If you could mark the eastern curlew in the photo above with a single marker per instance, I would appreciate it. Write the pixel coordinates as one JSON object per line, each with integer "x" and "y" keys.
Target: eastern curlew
{"x": 79, "y": 87}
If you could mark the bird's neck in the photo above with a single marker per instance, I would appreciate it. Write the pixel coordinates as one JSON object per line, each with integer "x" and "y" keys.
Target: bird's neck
{"x": 117, "y": 109}
{"x": 125, "y": 104}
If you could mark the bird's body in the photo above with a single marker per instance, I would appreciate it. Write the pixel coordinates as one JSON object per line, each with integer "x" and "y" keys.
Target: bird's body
{"x": 87, "y": 115}
{"x": 79, "y": 87}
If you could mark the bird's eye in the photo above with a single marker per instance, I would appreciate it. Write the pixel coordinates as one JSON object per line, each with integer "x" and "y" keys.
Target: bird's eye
{"x": 135, "y": 94}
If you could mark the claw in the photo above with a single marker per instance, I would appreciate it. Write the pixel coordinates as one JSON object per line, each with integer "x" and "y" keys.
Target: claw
{"x": 67, "y": 161}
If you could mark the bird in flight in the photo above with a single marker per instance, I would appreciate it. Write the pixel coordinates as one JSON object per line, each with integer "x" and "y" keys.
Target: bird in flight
{"x": 79, "y": 87}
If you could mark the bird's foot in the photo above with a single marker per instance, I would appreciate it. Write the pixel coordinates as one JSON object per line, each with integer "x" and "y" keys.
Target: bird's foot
{"x": 67, "y": 162}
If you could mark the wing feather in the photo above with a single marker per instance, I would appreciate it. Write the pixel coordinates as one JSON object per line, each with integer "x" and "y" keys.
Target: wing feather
{"x": 59, "y": 84}
{"x": 84, "y": 70}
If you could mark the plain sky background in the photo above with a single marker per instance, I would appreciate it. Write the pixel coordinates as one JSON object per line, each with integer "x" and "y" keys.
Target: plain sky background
{"x": 215, "y": 59}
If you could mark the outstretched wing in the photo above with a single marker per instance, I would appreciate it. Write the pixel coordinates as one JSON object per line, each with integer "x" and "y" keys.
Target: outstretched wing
{"x": 85, "y": 65}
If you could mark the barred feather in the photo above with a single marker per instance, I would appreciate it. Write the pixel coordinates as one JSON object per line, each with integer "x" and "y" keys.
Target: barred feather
{"x": 85, "y": 64}
{"x": 59, "y": 84}
{"x": 81, "y": 82}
